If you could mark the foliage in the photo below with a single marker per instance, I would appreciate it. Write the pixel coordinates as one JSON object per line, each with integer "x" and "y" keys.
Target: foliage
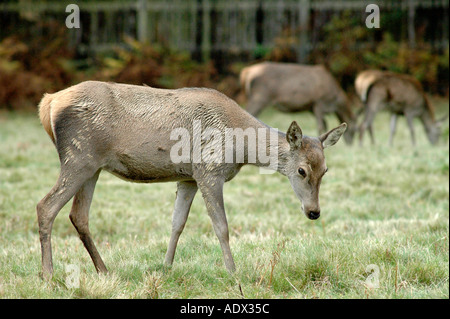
{"x": 283, "y": 49}
{"x": 156, "y": 66}
{"x": 421, "y": 62}
{"x": 28, "y": 69}
{"x": 136, "y": 64}
{"x": 347, "y": 47}
{"x": 342, "y": 52}
{"x": 13, "y": 77}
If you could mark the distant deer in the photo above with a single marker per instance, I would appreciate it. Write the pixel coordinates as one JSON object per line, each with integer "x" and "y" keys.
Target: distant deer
{"x": 292, "y": 87}
{"x": 400, "y": 94}
{"x": 127, "y": 130}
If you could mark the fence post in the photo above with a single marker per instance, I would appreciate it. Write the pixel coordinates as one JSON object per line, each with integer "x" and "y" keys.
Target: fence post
{"x": 411, "y": 27}
{"x": 142, "y": 20}
{"x": 304, "y": 12}
{"x": 206, "y": 32}
{"x": 444, "y": 41}
{"x": 93, "y": 38}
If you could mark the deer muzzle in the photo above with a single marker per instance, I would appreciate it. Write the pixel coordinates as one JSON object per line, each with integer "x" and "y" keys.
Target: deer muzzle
{"x": 313, "y": 214}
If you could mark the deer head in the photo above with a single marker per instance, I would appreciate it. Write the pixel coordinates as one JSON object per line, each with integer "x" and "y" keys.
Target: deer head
{"x": 350, "y": 132}
{"x": 433, "y": 130}
{"x": 304, "y": 164}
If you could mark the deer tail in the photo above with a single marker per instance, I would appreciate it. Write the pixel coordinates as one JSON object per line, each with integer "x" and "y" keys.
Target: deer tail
{"x": 244, "y": 81}
{"x": 45, "y": 116}
{"x": 242, "y": 78}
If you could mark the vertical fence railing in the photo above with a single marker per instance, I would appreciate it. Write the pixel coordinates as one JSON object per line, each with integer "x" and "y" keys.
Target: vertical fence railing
{"x": 206, "y": 30}
{"x": 206, "y": 26}
{"x": 142, "y": 21}
{"x": 411, "y": 25}
{"x": 305, "y": 9}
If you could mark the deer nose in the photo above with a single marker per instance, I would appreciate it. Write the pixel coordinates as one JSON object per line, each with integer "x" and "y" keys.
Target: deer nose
{"x": 313, "y": 215}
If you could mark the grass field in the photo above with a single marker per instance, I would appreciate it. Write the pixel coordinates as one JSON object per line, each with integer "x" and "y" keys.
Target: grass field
{"x": 383, "y": 231}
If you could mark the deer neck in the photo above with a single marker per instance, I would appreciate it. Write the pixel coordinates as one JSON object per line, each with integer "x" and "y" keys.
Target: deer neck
{"x": 272, "y": 150}
{"x": 284, "y": 151}
{"x": 428, "y": 121}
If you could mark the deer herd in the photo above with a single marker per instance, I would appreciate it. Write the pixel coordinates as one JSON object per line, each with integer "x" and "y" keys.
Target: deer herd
{"x": 128, "y": 130}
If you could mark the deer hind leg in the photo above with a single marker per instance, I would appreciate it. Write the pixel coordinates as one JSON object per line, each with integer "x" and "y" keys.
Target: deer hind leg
{"x": 410, "y": 121}
{"x": 212, "y": 192}
{"x": 393, "y": 128}
{"x": 79, "y": 216}
{"x": 185, "y": 195}
{"x": 68, "y": 183}
{"x": 372, "y": 137}
{"x": 367, "y": 125}
{"x": 256, "y": 103}
{"x": 320, "y": 117}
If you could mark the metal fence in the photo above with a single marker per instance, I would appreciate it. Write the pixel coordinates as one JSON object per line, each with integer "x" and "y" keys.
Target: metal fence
{"x": 233, "y": 26}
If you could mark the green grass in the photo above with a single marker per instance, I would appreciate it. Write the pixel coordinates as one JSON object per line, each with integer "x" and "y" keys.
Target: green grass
{"x": 381, "y": 206}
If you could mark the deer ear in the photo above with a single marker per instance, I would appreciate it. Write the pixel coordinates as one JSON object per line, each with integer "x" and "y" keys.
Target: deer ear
{"x": 331, "y": 137}
{"x": 294, "y": 136}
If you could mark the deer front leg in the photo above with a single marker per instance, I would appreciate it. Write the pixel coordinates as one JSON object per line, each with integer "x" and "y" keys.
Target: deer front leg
{"x": 372, "y": 137}
{"x": 393, "y": 129}
{"x": 320, "y": 117}
{"x": 212, "y": 192}
{"x": 410, "y": 121}
{"x": 367, "y": 125}
{"x": 185, "y": 195}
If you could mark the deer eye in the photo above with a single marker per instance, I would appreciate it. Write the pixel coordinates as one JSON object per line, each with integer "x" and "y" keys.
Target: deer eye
{"x": 302, "y": 172}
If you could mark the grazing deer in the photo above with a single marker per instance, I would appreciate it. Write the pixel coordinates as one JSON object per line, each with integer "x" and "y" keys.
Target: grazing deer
{"x": 365, "y": 79}
{"x": 402, "y": 95}
{"x": 128, "y": 130}
{"x": 293, "y": 87}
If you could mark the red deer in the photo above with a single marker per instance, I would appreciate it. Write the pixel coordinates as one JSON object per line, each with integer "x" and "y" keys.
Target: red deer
{"x": 127, "y": 130}
{"x": 401, "y": 94}
{"x": 293, "y": 87}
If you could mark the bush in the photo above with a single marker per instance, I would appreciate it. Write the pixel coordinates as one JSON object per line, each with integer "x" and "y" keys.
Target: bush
{"x": 135, "y": 64}
{"x": 140, "y": 63}
{"x": 347, "y": 47}
{"x": 421, "y": 62}
{"x": 342, "y": 51}
{"x": 19, "y": 87}
{"x": 28, "y": 69}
